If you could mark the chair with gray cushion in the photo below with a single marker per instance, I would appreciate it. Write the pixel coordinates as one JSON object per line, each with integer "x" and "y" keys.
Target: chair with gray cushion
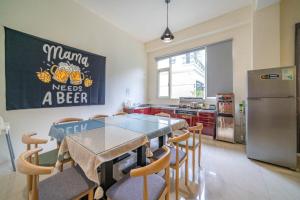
{"x": 69, "y": 184}
{"x": 46, "y": 159}
{"x": 143, "y": 183}
{"x": 177, "y": 158}
{"x": 194, "y": 143}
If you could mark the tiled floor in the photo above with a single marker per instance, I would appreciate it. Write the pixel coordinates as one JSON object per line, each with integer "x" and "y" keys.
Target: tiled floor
{"x": 225, "y": 174}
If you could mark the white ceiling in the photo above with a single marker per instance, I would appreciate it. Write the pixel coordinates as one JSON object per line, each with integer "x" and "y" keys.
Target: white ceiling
{"x": 146, "y": 19}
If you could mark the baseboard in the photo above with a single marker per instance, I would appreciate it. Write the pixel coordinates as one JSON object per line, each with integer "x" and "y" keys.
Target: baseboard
{"x": 207, "y": 137}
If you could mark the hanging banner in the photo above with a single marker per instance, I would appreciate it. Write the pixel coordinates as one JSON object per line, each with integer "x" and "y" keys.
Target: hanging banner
{"x": 40, "y": 73}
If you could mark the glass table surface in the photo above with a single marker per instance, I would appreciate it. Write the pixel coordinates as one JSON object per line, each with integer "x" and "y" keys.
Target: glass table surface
{"x": 105, "y": 138}
{"x": 151, "y": 129}
{"x": 60, "y": 131}
{"x": 155, "y": 119}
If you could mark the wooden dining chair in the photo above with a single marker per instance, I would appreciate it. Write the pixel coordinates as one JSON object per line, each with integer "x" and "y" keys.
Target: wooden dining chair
{"x": 65, "y": 121}
{"x": 162, "y": 114}
{"x": 99, "y": 117}
{"x": 178, "y": 157}
{"x": 48, "y": 158}
{"x": 194, "y": 142}
{"x": 68, "y": 120}
{"x": 143, "y": 183}
{"x": 69, "y": 184}
{"x": 120, "y": 113}
{"x": 188, "y": 118}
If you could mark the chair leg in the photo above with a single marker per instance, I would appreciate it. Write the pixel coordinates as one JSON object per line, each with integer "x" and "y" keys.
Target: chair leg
{"x": 167, "y": 177}
{"x": 72, "y": 163}
{"x": 61, "y": 168}
{"x": 199, "y": 154}
{"x": 194, "y": 161}
{"x": 91, "y": 195}
{"x": 11, "y": 152}
{"x": 177, "y": 183}
{"x": 186, "y": 172}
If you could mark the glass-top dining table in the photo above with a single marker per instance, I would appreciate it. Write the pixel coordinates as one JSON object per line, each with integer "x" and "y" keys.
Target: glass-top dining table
{"x": 95, "y": 144}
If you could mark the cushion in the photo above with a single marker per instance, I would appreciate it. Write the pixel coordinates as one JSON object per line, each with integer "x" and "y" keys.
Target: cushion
{"x": 132, "y": 188}
{"x": 48, "y": 158}
{"x": 190, "y": 142}
{"x": 160, "y": 152}
{"x": 65, "y": 185}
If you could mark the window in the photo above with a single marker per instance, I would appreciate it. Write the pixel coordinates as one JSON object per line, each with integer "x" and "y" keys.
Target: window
{"x": 182, "y": 75}
{"x": 199, "y": 73}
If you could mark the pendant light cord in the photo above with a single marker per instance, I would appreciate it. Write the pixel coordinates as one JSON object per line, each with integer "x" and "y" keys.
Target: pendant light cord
{"x": 168, "y": 14}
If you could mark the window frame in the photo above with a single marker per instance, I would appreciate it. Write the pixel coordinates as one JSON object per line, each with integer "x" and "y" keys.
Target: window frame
{"x": 158, "y": 83}
{"x": 170, "y": 73}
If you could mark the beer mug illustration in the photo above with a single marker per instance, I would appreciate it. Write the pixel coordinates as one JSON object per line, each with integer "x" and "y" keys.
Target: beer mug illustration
{"x": 60, "y": 73}
{"x": 76, "y": 76}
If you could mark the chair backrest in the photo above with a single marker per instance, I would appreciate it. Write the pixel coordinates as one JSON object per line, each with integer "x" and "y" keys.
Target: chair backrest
{"x": 68, "y": 120}
{"x": 99, "y": 116}
{"x": 180, "y": 138}
{"x": 194, "y": 129}
{"x": 120, "y": 113}
{"x": 32, "y": 171}
{"x": 162, "y": 114}
{"x": 155, "y": 167}
{"x": 29, "y": 140}
{"x": 197, "y": 128}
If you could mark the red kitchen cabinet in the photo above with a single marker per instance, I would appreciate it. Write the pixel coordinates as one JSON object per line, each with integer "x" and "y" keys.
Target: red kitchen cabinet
{"x": 128, "y": 110}
{"x": 142, "y": 110}
{"x": 209, "y": 123}
{"x": 168, "y": 111}
{"x": 138, "y": 110}
{"x": 147, "y": 111}
{"x": 154, "y": 111}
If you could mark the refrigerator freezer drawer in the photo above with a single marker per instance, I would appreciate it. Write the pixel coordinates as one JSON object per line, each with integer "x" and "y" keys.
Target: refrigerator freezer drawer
{"x": 283, "y": 84}
{"x": 271, "y": 131}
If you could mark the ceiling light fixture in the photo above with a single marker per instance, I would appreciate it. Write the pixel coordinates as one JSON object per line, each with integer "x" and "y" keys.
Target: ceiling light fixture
{"x": 168, "y": 35}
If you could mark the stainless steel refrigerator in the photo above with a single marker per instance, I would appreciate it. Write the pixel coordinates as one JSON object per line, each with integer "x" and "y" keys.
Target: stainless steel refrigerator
{"x": 271, "y": 116}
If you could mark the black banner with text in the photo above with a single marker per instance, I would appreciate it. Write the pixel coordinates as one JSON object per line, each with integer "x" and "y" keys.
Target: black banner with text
{"x": 40, "y": 73}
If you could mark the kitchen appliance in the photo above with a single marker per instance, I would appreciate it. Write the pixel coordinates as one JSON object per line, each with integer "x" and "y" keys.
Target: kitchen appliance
{"x": 191, "y": 102}
{"x": 225, "y": 117}
{"x": 271, "y": 121}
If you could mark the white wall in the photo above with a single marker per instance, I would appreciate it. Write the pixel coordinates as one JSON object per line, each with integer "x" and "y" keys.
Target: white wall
{"x": 266, "y": 37}
{"x": 289, "y": 16}
{"x": 68, "y": 23}
{"x": 235, "y": 25}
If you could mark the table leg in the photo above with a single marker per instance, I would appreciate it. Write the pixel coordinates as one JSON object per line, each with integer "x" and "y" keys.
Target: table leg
{"x": 11, "y": 151}
{"x": 141, "y": 156}
{"x": 161, "y": 141}
{"x": 107, "y": 175}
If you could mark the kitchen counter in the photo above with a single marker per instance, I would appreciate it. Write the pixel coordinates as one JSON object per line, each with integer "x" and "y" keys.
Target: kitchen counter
{"x": 170, "y": 107}
{"x": 206, "y": 117}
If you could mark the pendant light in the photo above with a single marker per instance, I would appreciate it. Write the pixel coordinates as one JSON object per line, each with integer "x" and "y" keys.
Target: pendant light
{"x": 168, "y": 35}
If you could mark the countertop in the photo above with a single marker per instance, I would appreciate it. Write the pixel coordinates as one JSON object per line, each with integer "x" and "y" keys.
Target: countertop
{"x": 169, "y": 107}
